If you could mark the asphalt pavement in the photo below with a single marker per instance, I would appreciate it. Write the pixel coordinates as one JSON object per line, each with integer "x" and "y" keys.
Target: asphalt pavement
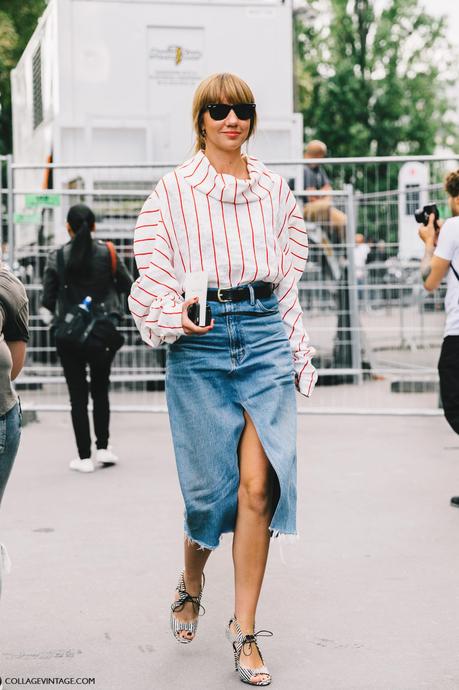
{"x": 367, "y": 599}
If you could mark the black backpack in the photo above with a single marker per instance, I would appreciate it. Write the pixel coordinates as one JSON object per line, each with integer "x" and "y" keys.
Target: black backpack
{"x": 91, "y": 330}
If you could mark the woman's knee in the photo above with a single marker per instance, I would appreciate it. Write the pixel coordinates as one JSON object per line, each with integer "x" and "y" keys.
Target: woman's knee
{"x": 255, "y": 496}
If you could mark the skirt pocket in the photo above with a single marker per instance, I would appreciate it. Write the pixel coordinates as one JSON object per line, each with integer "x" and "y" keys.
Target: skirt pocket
{"x": 269, "y": 306}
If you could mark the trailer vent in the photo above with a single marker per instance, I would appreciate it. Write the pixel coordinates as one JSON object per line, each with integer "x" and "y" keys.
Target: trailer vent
{"x": 36, "y": 88}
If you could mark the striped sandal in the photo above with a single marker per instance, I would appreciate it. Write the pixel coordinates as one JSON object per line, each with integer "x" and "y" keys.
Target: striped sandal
{"x": 243, "y": 644}
{"x": 178, "y": 626}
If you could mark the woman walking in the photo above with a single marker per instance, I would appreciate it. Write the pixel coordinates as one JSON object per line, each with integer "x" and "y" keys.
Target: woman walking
{"x": 86, "y": 267}
{"x": 230, "y": 385}
{"x": 14, "y": 335}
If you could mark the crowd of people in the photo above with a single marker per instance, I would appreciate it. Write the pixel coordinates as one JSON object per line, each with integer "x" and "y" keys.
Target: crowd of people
{"x": 235, "y": 226}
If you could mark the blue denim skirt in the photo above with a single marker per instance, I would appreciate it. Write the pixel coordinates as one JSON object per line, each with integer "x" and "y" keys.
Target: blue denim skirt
{"x": 244, "y": 363}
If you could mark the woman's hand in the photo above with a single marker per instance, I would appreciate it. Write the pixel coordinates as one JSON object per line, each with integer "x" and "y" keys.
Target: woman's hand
{"x": 188, "y": 326}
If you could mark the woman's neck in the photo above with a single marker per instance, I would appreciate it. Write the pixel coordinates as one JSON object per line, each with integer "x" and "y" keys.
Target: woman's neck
{"x": 228, "y": 162}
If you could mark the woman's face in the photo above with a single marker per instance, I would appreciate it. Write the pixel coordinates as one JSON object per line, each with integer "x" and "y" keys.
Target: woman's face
{"x": 225, "y": 135}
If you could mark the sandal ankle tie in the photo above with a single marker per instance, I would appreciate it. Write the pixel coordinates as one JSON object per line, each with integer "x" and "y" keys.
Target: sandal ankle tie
{"x": 252, "y": 639}
{"x": 185, "y": 597}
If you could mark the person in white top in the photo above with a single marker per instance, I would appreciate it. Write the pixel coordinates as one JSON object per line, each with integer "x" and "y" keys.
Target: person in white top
{"x": 230, "y": 385}
{"x": 441, "y": 259}
{"x": 361, "y": 251}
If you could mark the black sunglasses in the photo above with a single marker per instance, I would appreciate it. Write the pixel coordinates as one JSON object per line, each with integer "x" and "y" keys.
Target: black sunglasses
{"x": 218, "y": 111}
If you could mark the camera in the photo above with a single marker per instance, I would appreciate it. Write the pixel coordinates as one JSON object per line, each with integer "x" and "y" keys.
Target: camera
{"x": 422, "y": 214}
{"x": 193, "y": 313}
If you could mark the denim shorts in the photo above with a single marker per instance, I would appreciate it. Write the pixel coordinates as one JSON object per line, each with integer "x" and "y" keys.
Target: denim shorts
{"x": 10, "y": 434}
{"x": 244, "y": 363}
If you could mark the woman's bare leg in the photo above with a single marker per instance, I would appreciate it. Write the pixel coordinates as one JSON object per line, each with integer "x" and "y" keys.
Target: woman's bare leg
{"x": 195, "y": 560}
{"x": 251, "y": 534}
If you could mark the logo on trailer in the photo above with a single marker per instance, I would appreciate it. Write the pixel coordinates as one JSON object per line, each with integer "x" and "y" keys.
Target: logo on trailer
{"x": 176, "y": 53}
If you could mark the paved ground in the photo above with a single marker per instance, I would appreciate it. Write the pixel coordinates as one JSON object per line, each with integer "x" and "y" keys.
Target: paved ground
{"x": 367, "y": 600}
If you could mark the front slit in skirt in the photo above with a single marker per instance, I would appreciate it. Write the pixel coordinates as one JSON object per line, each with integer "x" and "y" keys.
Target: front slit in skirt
{"x": 244, "y": 363}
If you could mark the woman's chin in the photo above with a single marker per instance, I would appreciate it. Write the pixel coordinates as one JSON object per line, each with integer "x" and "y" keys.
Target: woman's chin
{"x": 229, "y": 145}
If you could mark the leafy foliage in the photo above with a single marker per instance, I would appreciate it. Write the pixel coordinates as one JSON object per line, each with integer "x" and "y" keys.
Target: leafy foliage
{"x": 374, "y": 82}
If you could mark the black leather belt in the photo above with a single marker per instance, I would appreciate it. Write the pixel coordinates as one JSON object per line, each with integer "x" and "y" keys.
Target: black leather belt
{"x": 239, "y": 294}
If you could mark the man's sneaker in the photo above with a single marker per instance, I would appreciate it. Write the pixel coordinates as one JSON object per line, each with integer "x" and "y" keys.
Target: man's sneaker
{"x": 82, "y": 465}
{"x": 106, "y": 457}
{"x": 455, "y": 501}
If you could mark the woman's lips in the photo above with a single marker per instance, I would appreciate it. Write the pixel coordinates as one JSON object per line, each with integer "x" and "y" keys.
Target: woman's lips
{"x": 232, "y": 135}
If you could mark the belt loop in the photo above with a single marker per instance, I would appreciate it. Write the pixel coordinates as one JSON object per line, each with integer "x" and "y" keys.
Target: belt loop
{"x": 252, "y": 294}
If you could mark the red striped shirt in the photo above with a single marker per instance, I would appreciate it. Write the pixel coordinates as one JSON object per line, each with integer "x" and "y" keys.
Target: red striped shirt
{"x": 235, "y": 229}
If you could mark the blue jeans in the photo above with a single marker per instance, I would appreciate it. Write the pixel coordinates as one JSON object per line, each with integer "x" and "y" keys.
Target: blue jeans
{"x": 244, "y": 363}
{"x": 10, "y": 434}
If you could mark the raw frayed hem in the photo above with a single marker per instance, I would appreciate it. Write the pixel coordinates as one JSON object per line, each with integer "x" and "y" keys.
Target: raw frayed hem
{"x": 199, "y": 544}
{"x": 280, "y": 537}
{"x": 283, "y": 537}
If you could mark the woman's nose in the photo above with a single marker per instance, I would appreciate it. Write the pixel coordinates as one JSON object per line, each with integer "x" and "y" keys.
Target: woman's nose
{"x": 231, "y": 119}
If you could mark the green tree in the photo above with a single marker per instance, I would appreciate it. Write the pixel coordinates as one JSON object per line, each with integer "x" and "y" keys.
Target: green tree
{"x": 17, "y": 23}
{"x": 374, "y": 82}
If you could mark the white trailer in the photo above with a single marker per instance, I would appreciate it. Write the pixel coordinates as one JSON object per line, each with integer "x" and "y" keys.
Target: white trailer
{"x": 111, "y": 81}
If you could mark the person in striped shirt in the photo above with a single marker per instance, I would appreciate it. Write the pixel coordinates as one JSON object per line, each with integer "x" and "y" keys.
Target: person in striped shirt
{"x": 230, "y": 385}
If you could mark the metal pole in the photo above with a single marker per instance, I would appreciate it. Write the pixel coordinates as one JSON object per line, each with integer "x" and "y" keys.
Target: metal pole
{"x": 356, "y": 348}
{"x": 10, "y": 212}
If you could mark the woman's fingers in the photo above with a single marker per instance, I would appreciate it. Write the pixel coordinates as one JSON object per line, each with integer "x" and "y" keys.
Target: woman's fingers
{"x": 192, "y": 329}
{"x": 187, "y": 303}
{"x": 188, "y": 326}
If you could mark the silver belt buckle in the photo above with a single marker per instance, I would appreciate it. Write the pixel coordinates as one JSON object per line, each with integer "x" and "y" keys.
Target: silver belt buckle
{"x": 220, "y": 298}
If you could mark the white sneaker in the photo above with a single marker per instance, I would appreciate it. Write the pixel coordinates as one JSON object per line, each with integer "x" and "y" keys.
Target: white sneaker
{"x": 82, "y": 465}
{"x": 106, "y": 456}
{"x": 5, "y": 563}
{"x": 5, "y": 567}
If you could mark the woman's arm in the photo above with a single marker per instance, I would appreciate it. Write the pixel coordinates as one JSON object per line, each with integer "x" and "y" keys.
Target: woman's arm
{"x": 15, "y": 326}
{"x": 156, "y": 300}
{"x": 50, "y": 283}
{"x": 123, "y": 278}
{"x": 18, "y": 350}
{"x": 294, "y": 244}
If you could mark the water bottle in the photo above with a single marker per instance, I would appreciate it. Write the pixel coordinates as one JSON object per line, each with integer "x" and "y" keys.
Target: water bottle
{"x": 86, "y": 304}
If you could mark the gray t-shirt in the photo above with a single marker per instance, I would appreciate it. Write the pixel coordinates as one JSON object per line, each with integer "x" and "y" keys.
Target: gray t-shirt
{"x": 14, "y": 317}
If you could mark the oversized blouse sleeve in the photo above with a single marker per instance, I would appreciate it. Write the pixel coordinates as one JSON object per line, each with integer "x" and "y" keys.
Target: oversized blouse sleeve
{"x": 155, "y": 300}
{"x": 294, "y": 247}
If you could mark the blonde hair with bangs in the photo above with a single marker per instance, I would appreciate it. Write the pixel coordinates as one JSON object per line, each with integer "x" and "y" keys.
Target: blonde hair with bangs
{"x": 215, "y": 89}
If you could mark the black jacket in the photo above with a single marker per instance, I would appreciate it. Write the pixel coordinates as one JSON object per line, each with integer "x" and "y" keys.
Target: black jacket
{"x": 101, "y": 285}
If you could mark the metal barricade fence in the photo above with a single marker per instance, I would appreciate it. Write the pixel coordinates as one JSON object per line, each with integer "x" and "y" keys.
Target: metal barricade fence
{"x": 376, "y": 330}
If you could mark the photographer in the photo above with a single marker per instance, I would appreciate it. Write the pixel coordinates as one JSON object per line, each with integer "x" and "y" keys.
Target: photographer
{"x": 441, "y": 259}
